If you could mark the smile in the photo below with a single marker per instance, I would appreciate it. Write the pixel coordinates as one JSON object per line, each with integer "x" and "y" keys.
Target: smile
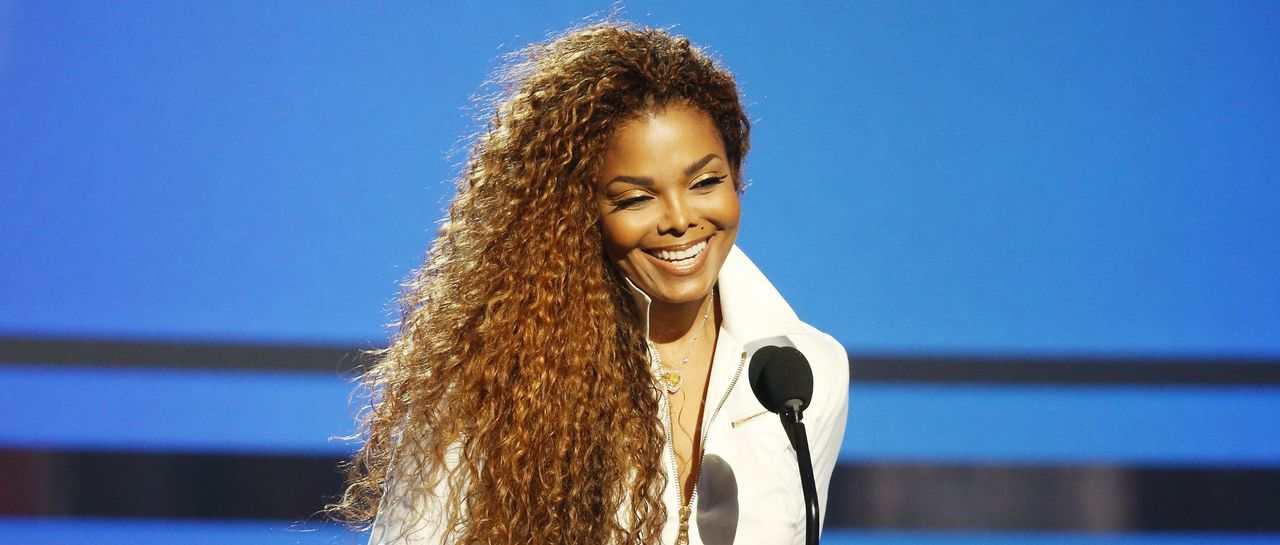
{"x": 679, "y": 256}
{"x": 681, "y": 260}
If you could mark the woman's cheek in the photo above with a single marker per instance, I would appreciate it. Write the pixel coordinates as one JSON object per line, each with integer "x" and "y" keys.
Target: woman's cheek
{"x": 621, "y": 233}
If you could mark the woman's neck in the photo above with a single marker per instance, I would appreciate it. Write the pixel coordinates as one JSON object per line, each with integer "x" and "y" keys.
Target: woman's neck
{"x": 671, "y": 322}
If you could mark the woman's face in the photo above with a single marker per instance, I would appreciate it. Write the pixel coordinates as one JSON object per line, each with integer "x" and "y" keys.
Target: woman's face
{"x": 668, "y": 204}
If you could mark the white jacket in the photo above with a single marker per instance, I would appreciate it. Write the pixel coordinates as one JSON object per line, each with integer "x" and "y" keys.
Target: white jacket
{"x": 748, "y": 488}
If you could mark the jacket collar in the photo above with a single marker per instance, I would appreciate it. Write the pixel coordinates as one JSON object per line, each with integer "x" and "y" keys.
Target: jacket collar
{"x": 750, "y": 307}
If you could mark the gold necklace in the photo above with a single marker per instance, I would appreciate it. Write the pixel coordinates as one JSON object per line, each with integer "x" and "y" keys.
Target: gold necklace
{"x": 669, "y": 378}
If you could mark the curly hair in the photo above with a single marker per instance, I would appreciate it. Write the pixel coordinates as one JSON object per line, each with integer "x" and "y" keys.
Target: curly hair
{"x": 517, "y": 386}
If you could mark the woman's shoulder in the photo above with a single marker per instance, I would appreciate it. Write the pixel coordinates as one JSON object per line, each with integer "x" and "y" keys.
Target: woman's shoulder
{"x": 825, "y": 354}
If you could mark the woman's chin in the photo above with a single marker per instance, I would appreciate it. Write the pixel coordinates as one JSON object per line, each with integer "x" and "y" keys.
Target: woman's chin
{"x": 677, "y": 293}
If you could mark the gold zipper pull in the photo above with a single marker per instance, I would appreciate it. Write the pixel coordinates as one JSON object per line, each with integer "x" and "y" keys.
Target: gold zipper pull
{"x": 682, "y": 538}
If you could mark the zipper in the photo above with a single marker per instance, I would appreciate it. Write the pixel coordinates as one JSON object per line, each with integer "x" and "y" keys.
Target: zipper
{"x": 673, "y": 472}
{"x": 686, "y": 509}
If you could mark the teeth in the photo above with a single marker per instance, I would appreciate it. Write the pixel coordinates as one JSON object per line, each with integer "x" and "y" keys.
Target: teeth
{"x": 688, "y": 253}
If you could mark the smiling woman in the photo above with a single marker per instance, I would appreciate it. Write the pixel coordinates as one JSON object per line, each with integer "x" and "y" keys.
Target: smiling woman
{"x": 568, "y": 364}
{"x": 668, "y": 203}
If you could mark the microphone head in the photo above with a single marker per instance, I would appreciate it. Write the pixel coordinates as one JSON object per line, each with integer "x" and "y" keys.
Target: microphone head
{"x": 779, "y": 374}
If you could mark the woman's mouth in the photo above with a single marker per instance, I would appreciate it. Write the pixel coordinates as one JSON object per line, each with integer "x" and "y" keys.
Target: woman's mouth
{"x": 682, "y": 261}
{"x": 678, "y": 256}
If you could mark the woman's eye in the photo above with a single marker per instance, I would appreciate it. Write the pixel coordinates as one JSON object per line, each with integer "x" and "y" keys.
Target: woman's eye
{"x": 631, "y": 202}
{"x": 708, "y": 182}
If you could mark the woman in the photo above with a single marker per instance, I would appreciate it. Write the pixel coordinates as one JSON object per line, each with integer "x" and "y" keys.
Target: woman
{"x": 569, "y": 363}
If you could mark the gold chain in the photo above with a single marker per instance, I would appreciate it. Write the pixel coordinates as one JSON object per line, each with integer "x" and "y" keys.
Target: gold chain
{"x": 670, "y": 378}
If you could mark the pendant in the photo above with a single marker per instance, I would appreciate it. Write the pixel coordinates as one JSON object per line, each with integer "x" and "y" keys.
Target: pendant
{"x": 669, "y": 379}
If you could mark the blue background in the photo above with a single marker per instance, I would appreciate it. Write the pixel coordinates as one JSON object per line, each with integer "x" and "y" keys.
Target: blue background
{"x": 926, "y": 177}
{"x": 942, "y": 178}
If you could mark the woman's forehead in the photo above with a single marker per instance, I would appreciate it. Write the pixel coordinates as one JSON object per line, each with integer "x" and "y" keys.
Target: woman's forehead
{"x": 671, "y": 139}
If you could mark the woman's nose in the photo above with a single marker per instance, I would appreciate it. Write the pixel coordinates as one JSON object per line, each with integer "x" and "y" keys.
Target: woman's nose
{"x": 677, "y": 216}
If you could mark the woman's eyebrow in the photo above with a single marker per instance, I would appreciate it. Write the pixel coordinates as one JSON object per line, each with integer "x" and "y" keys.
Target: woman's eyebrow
{"x": 699, "y": 164}
{"x": 645, "y": 181}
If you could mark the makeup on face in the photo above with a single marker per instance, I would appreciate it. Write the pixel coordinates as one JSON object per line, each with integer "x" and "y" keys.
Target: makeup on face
{"x": 668, "y": 203}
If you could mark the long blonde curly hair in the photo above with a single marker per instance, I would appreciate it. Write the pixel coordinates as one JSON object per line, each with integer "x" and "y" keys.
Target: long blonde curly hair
{"x": 518, "y": 380}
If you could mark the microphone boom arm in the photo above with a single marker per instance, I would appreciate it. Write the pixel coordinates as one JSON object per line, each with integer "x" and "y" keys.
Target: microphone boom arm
{"x": 791, "y": 417}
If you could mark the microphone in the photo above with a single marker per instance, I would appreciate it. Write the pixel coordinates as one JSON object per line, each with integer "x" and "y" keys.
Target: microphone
{"x": 780, "y": 377}
{"x": 782, "y": 380}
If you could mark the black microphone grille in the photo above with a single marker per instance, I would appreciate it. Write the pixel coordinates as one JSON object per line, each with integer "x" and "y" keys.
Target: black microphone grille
{"x": 779, "y": 374}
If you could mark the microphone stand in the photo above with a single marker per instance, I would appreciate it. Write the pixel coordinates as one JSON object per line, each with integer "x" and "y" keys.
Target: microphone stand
{"x": 791, "y": 421}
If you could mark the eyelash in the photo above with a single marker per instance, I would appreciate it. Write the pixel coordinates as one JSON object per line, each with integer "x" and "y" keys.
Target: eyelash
{"x": 632, "y": 202}
{"x": 709, "y": 181}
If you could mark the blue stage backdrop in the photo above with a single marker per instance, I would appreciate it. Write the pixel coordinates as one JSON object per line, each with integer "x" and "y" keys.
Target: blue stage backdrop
{"x": 1049, "y": 233}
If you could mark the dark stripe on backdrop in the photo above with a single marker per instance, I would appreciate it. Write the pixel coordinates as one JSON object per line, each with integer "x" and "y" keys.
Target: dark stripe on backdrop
{"x": 157, "y": 485}
{"x": 1054, "y": 498}
{"x": 1064, "y": 370}
{"x": 862, "y": 367}
{"x": 864, "y": 496}
{"x": 175, "y": 354}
